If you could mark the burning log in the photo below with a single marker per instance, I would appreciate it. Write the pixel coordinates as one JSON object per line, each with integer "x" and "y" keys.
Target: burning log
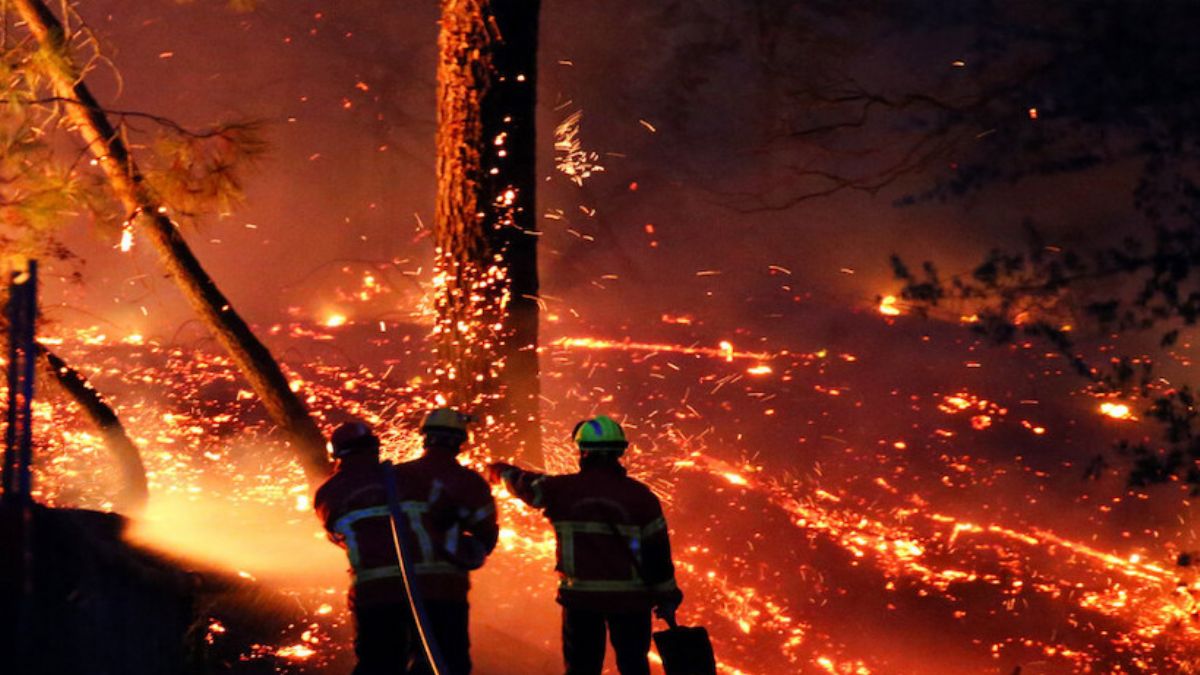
{"x": 253, "y": 359}
{"x": 487, "y": 283}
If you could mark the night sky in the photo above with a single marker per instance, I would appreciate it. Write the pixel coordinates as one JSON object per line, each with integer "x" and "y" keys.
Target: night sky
{"x": 346, "y": 92}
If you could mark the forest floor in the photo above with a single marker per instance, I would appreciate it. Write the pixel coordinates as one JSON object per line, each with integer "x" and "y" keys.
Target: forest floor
{"x": 889, "y": 498}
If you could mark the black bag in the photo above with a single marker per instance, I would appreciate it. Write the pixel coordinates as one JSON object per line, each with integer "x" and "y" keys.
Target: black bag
{"x": 685, "y": 650}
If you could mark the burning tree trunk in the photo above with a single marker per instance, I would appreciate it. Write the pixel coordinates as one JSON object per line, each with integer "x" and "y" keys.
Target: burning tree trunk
{"x": 485, "y": 217}
{"x": 133, "y": 494}
{"x": 253, "y": 359}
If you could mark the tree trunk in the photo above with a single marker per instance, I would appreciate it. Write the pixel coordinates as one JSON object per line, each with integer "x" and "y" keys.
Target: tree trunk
{"x": 133, "y": 494}
{"x": 253, "y": 359}
{"x": 485, "y": 218}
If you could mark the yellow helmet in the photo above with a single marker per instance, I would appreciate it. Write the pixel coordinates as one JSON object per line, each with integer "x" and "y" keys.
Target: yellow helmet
{"x": 601, "y": 433}
{"x": 447, "y": 419}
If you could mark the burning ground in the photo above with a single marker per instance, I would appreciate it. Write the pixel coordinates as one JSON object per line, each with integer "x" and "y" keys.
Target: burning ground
{"x": 895, "y": 499}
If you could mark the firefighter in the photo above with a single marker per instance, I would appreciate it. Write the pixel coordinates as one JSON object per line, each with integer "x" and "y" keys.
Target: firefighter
{"x": 614, "y": 556}
{"x": 449, "y": 529}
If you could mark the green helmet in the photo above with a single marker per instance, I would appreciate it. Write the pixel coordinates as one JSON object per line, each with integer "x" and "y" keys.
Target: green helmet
{"x": 600, "y": 433}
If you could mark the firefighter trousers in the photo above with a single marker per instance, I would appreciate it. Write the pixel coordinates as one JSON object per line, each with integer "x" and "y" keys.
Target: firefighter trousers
{"x": 583, "y": 633}
{"x": 387, "y": 643}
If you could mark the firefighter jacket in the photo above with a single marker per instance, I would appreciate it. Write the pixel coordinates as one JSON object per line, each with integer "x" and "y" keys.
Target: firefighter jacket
{"x": 613, "y": 554}
{"x": 449, "y": 526}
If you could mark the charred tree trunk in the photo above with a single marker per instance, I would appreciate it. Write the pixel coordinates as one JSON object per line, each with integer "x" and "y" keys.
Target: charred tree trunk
{"x": 485, "y": 216}
{"x": 132, "y": 497}
{"x": 253, "y": 359}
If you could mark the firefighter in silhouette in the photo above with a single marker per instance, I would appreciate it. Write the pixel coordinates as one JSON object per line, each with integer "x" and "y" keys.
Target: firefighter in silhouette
{"x": 449, "y": 529}
{"x": 614, "y": 557}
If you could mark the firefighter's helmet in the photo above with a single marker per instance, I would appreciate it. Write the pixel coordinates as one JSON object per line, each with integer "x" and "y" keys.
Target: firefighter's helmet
{"x": 353, "y": 437}
{"x": 600, "y": 434}
{"x": 446, "y": 419}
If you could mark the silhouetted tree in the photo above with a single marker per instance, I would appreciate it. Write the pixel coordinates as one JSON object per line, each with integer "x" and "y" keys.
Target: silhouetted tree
{"x": 1069, "y": 88}
{"x": 985, "y": 94}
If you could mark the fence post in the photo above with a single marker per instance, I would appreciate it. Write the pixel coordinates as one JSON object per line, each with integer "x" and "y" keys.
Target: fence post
{"x": 18, "y": 451}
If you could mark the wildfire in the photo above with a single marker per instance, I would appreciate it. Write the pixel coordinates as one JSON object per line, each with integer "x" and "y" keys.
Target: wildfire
{"x": 296, "y": 651}
{"x": 1117, "y": 411}
{"x": 724, "y": 350}
{"x": 888, "y": 306}
{"x": 889, "y": 519}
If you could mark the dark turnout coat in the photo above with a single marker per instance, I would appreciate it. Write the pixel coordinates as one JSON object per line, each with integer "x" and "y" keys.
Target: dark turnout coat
{"x": 613, "y": 552}
{"x": 449, "y": 526}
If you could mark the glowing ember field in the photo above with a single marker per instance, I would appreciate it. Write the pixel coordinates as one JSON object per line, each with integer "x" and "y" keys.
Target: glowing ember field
{"x": 835, "y": 507}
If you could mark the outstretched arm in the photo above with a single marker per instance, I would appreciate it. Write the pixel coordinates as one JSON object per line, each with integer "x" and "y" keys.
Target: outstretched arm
{"x": 526, "y": 485}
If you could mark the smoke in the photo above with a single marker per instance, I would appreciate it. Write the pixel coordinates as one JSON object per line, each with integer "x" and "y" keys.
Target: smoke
{"x": 258, "y": 540}
{"x": 281, "y": 550}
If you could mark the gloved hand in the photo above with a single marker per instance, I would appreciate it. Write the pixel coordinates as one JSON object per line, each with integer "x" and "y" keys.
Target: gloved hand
{"x": 666, "y": 604}
{"x": 495, "y": 471}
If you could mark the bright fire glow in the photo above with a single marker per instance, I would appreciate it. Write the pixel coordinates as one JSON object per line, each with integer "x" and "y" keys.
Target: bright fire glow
{"x": 126, "y": 240}
{"x": 897, "y": 524}
{"x": 1117, "y": 411}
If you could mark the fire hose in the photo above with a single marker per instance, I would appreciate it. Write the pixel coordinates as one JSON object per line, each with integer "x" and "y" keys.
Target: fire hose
{"x": 415, "y": 603}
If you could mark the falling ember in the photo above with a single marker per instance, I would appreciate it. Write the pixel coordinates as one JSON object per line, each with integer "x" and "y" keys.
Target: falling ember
{"x": 887, "y": 306}
{"x": 570, "y": 157}
{"x": 126, "y": 239}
